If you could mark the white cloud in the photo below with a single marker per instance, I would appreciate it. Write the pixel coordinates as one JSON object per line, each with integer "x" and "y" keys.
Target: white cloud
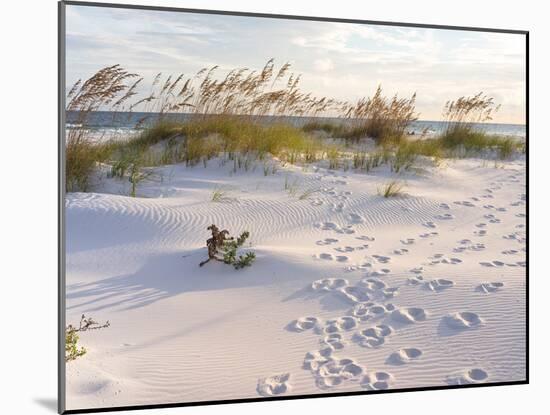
{"x": 323, "y": 65}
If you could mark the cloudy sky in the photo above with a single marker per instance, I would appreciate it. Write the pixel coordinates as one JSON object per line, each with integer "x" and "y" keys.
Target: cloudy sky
{"x": 344, "y": 61}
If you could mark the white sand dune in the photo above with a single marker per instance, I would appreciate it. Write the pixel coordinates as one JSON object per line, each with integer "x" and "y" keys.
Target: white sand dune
{"x": 350, "y": 291}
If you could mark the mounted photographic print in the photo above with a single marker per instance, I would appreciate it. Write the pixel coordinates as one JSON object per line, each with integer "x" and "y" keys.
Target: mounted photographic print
{"x": 258, "y": 207}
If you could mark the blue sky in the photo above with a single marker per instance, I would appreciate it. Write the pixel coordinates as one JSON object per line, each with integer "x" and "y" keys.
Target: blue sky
{"x": 344, "y": 61}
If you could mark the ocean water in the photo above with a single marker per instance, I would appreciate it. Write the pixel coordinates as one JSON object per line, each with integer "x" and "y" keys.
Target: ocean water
{"x": 117, "y": 125}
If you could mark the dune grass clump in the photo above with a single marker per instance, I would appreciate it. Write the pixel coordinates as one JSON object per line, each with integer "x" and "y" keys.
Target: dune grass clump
{"x": 333, "y": 155}
{"x": 108, "y": 88}
{"x": 223, "y": 248}
{"x": 380, "y": 118}
{"x": 72, "y": 350}
{"x": 207, "y": 137}
{"x": 306, "y": 194}
{"x": 330, "y": 128}
{"x": 391, "y": 189}
{"x": 462, "y": 133}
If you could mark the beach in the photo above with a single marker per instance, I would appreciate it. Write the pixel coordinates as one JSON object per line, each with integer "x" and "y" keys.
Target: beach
{"x": 350, "y": 291}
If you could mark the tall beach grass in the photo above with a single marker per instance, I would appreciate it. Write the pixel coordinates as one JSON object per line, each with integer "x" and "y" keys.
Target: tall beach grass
{"x": 242, "y": 117}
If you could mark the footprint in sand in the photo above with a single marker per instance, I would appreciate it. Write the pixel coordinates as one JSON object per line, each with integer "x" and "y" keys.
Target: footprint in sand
{"x": 481, "y": 232}
{"x": 445, "y": 216}
{"x": 327, "y": 226}
{"x": 492, "y": 218}
{"x": 463, "y": 320}
{"x": 329, "y": 284}
{"x": 452, "y": 261}
{"x": 408, "y": 241}
{"x": 400, "y": 251}
{"x": 466, "y": 203}
{"x": 492, "y": 264}
{"x": 331, "y": 226}
{"x": 379, "y": 272}
{"x": 429, "y": 235}
{"x": 429, "y": 224}
{"x": 314, "y": 360}
{"x": 334, "y": 341}
{"x": 355, "y": 294}
{"x": 325, "y": 256}
{"x": 366, "y": 238}
{"x": 481, "y": 225}
{"x": 345, "y": 249}
{"x": 337, "y": 371}
{"x": 408, "y": 315}
{"x": 517, "y": 236}
{"x": 417, "y": 280}
{"x": 439, "y": 284}
{"x": 468, "y": 377}
{"x": 417, "y": 270}
{"x": 316, "y": 202}
{"x": 371, "y": 310}
{"x": 327, "y": 241}
{"x": 337, "y": 207}
{"x": 442, "y": 259}
{"x": 302, "y": 324}
{"x": 377, "y": 289}
{"x": 373, "y": 336}
{"x": 372, "y": 284}
{"x": 521, "y": 215}
{"x": 329, "y": 190}
{"x": 444, "y": 206}
{"x": 274, "y": 385}
{"x": 382, "y": 259}
{"x": 472, "y": 247}
{"x": 489, "y": 287}
{"x": 404, "y": 355}
{"x": 336, "y": 325}
{"x": 356, "y": 267}
{"x": 377, "y": 381}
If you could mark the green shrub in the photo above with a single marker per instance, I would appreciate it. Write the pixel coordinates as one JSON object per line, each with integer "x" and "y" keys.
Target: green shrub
{"x": 222, "y": 247}
{"x": 72, "y": 350}
{"x": 391, "y": 189}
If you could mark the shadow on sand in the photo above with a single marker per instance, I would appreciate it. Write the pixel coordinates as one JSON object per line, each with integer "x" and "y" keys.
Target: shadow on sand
{"x": 170, "y": 274}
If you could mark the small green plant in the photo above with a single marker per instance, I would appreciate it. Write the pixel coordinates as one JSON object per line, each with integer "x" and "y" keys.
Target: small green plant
{"x": 219, "y": 194}
{"x": 404, "y": 158}
{"x": 307, "y": 193}
{"x": 333, "y": 156}
{"x": 391, "y": 189}
{"x": 224, "y": 248}
{"x": 72, "y": 350}
{"x": 291, "y": 186}
{"x": 136, "y": 176}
